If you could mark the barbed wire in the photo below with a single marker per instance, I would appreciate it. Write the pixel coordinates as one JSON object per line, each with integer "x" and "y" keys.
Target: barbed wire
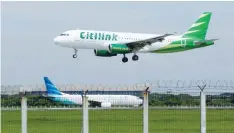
{"x": 154, "y": 86}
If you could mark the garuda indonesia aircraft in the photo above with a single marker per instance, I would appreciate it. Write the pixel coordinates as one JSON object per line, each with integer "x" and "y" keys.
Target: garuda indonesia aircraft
{"x": 99, "y": 100}
{"x": 107, "y": 43}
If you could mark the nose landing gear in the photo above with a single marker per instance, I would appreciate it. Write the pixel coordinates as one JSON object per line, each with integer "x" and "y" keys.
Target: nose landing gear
{"x": 75, "y": 55}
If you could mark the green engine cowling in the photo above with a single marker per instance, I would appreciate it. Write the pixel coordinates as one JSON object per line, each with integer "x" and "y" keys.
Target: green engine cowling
{"x": 119, "y": 48}
{"x": 103, "y": 53}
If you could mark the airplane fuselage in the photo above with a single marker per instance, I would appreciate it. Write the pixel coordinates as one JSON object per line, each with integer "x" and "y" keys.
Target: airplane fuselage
{"x": 127, "y": 100}
{"x": 100, "y": 40}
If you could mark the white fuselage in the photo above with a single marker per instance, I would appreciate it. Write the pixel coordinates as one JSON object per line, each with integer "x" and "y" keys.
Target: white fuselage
{"x": 104, "y": 99}
{"x": 100, "y": 40}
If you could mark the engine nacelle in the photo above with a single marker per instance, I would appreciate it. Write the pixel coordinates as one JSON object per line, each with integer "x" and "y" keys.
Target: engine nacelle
{"x": 119, "y": 48}
{"x": 103, "y": 53}
{"x": 105, "y": 104}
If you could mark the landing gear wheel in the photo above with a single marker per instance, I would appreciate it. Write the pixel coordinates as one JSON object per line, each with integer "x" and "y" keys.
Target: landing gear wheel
{"x": 125, "y": 59}
{"x": 135, "y": 57}
{"x": 75, "y": 55}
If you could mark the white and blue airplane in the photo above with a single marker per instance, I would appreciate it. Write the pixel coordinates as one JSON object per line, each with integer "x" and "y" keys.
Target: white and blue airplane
{"x": 104, "y": 100}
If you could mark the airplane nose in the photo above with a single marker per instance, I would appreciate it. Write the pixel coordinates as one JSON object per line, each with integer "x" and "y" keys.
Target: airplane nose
{"x": 56, "y": 40}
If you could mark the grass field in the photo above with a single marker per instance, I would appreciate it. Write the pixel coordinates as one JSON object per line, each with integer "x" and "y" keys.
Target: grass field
{"x": 119, "y": 121}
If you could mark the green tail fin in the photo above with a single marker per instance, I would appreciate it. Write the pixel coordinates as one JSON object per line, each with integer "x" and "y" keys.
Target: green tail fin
{"x": 199, "y": 28}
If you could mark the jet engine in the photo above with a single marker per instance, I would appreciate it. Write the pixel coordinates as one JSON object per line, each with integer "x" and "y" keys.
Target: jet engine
{"x": 105, "y": 104}
{"x": 103, "y": 53}
{"x": 119, "y": 48}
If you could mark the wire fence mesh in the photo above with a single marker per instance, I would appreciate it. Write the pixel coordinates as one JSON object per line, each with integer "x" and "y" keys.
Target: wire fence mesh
{"x": 173, "y": 108}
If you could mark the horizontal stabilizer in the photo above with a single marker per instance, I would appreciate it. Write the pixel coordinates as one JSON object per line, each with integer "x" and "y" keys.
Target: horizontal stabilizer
{"x": 213, "y": 40}
{"x": 205, "y": 41}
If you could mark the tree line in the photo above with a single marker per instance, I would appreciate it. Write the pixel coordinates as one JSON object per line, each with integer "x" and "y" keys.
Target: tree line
{"x": 188, "y": 100}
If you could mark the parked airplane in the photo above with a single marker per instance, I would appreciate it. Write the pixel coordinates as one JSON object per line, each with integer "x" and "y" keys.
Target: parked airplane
{"x": 102, "y": 100}
{"x": 107, "y": 43}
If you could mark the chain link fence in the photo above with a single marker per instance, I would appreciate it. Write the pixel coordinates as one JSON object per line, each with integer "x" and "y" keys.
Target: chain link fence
{"x": 173, "y": 107}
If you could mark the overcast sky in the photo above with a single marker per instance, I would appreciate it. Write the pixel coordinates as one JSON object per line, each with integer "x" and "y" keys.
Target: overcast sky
{"x": 28, "y": 51}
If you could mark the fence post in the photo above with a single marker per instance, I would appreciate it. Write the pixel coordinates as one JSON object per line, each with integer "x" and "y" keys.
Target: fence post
{"x": 24, "y": 114}
{"x": 145, "y": 111}
{"x": 85, "y": 113}
{"x": 203, "y": 109}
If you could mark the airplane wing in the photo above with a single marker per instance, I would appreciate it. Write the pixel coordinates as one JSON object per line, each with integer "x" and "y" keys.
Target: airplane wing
{"x": 141, "y": 43}
{"x": 93, "y": 103}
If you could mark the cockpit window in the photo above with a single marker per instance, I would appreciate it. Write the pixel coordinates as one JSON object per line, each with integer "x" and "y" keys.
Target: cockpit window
{"x": 64, "y": 34}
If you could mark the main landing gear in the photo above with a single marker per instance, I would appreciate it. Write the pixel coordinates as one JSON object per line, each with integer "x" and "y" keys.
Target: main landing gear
{"x": 124, "y": 59}
{"x": 75, "y": 55}
{"x": 134, "y": 58}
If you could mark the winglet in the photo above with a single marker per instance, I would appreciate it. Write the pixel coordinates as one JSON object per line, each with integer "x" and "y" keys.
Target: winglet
{"x": 168, "y": 34}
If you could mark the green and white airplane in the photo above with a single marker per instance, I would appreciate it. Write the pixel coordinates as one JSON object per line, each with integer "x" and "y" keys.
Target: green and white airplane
{"x": 108, "y": 44}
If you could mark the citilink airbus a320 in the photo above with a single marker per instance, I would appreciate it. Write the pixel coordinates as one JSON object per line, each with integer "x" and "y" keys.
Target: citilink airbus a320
{"x": 108, "y": 43}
